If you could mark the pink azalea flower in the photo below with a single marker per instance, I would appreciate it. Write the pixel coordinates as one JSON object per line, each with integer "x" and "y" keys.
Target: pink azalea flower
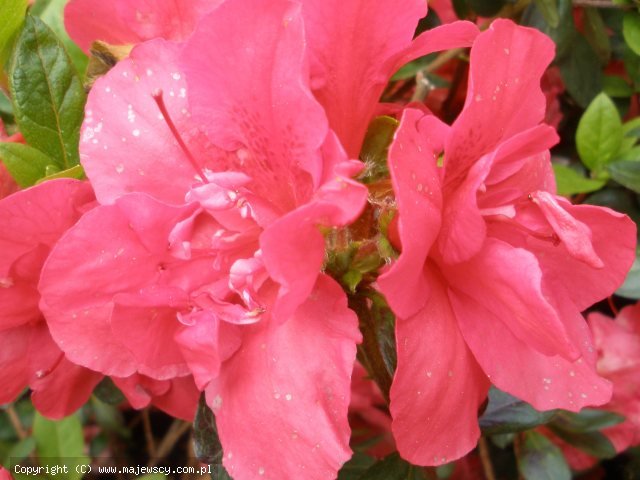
{"x": 124, "y": 22}
{"x": 494, "y": 268}
{"x": 33, "y": 220}
{"x": 618, "y": 346}
{"x": 208, "y": 261}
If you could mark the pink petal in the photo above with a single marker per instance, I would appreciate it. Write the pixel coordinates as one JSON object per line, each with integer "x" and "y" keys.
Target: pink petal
{"x": 121, "y": 22}
{"x": 575, "y": 235}
{"x": 414, "y": 174}
{"x": 281, "y": 409}
{"x": 504, "y": 95}
{"x": 14, "y": 362}
{"x": 293, "y": 248}
{"x": 249, "y": 82}
{"x": 114, "y": 250}
{"x": 508, "y": 282}
{"x": 64, "y": 390}
{"x": 355, "y": 49}
{"x": 584, "y": 284}
{"x": 32, "y": 221}
{"x": 122, "y": 117}
{"x": 546, "y": 382}
{"x": 463, "y": 228}
{"x": 140, "y": 389}
{"x": 181, "y": 400}
{"x": 438, "y": 385}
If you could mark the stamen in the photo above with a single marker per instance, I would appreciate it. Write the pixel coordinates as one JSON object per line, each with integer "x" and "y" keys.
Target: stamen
{"x": 553, "y": 237}
{"x": 157, "y": 96}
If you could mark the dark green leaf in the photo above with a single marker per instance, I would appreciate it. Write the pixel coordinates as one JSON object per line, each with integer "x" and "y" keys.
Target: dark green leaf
{"x": 631, "y": 286}
{"x": 107, "y": 392}
{"x": 615, "y": 86}
{"x": 486, "y": 8}
{"x": 393, "y": 467}
{"x": 20, "y": 451}
{"x": 570, "y": 182}
{"x": 354, "y": 468}
{"x": 507, "y": 414}
{"x": 25, "y": 164}
{"x": 206, "y": 444}
{"x": 539, "y": 459}
{"x": 581, "y": 71}
{"x": 593, "y": 443}
{"x": 12, "y": 14}
{"x": 631, "y": 30}
{"x": 461, "y": 7}
{"x": 48, "y": 96}
{"x": 587, "y": 420}
{"x": 599, "y": 133}
{"x": 52, "y": 13}
{"x": 595, "y": 32}
{"x": 549, "y": 10}
{"x": 563, "y": 33}
{"x": 627, "y": 173}
{"x": 60, "y": 442}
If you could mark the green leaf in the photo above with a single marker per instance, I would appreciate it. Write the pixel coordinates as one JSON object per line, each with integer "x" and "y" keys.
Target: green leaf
{"x": 581, "y": 70}
{"x": 507, "y": 414}
{"x": 392, "y": 467}
{"x": 593, "y": 443}
{"x": 206, "y": 444}
{"x": 539, "y": 459}
{"x": 76, "y": 172}
{"x": 152, "y": 476}
{"x": 617, "y": 87}
{"x": 627, "y": 173}
{"x": 25, "y": 164}
{"x": 632, "y": 127}
{"x": 52, "y": 13}
{"x": 60, "y": 442}
{"x": 563, "y": 33}
{"x": 486, "y": 8}
{"x": 549, "y": 10}
{"x": 354, "y": 468}
{"x": 631, "y": 30}
{"x": 595, "y": 32}
{"x": 12, "y": 14}
{"x": 587, "y": 420}
{"x": 599, "y": 133}
{"x": 570, "y": 182}
{"x": 20, "y": 451}
{"x": 631, "y": 286}
{"x": 48, "y": 96}
{"x": 108, "y": 392}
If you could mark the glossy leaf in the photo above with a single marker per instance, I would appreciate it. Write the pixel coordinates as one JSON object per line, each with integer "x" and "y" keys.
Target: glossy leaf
{"x": 631, "y": 30}
{"x": 599, "y": 133}
{"x": 587, "y": 420}
{"x": 48, "y": 96}
{"x": 52, "y": 13}
{"x": 206, "y": 444}
{"x": 356, "y": 466}
{"x": 507, "y": 414}
{"x": 12, "y": 17}
{"x": 595, "y": 32}
{"x": 393, "y": 467}
{"x": 570, "y": 182}
{"x": 25, "y": 164}
{"x": 580, "y": 69}
{"x": 627, "y": 173}
{"x": 592, "y": 443}
{"x": 539, "y": 459}
{"x": 617, "y": 87}
{"x": 549, "y": 10}
{"x": 60, "y": 442}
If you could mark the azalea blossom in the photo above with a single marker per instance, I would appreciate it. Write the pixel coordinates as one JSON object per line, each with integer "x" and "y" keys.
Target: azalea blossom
{"x": 494, "y": 268}
{"x": 33, "y": 220}
{"x": 208, "y": 264}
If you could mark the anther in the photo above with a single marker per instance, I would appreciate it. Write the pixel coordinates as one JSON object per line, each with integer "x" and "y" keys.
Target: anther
{"x": 157, "y": 96}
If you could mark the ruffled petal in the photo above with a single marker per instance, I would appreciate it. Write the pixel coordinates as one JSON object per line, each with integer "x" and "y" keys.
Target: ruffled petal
{"x": 281, "y": 409}
{"x": 438, "y": 384}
